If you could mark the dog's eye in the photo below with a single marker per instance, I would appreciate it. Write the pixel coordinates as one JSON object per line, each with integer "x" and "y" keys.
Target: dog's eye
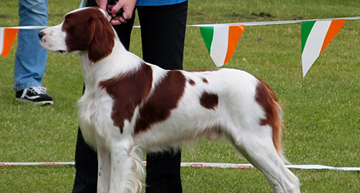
{"x": 67, "y": 22}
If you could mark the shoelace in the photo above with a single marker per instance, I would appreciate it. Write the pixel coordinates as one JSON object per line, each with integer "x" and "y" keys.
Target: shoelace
{"x": 38, "y": 90}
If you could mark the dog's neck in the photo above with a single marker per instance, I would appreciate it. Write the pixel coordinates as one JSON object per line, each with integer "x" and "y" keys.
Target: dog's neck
{"x": 118, "y": 62}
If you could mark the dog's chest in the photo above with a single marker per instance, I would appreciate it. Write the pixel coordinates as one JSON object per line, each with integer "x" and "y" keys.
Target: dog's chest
{"x": 95, "y": 108}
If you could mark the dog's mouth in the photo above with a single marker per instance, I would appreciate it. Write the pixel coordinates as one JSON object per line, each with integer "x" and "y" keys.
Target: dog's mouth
{"x": 62, "y": 51}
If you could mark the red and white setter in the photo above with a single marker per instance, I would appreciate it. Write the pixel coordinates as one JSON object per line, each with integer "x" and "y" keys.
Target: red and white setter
{"x": 131, "y": 107}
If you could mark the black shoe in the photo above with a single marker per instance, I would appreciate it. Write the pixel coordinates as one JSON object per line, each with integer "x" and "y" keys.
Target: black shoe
{"x": 36, "y": 95}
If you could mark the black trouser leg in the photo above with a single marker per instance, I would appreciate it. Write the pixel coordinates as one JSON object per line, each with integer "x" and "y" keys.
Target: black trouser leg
{"x": 86, "y": 167}
{"x": 163, "y": 35}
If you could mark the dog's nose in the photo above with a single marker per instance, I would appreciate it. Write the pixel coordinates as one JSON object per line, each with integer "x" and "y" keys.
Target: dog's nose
{"x": 41, "y": 34}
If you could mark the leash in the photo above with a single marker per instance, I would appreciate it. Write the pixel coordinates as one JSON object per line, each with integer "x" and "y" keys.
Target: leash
{"x": 118, "y": 15}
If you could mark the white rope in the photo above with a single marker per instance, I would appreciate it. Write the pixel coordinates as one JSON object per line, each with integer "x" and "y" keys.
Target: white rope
{"x": 26, "y": 27}
{"x": 272, "y": 22}
{"x": 199, "y": 165}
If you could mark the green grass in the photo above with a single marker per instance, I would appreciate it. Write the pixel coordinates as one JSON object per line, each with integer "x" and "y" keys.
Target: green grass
{"x": 321, "y": 111}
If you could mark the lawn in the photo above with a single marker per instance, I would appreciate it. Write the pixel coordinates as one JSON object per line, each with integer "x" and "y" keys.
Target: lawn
{"x": 321, "y": 111}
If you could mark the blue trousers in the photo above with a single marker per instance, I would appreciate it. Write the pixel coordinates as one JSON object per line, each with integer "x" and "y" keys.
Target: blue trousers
{"x": 30, "y": 57}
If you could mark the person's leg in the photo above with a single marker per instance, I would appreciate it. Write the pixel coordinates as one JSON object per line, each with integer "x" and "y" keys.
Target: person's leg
{"x": 86, "y": 163}
{"x": 30, "y": 58}
{"x": 86, "y": 166}
{"x": 163, "y": 35}
{"x": 163, "y": 173}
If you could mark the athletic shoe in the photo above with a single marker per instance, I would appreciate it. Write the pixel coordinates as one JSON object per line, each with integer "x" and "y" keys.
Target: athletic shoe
{"x": 36, "y": 95}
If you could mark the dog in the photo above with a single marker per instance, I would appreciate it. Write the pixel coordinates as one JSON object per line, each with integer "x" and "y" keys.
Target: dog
{"x": 130, "y": 107}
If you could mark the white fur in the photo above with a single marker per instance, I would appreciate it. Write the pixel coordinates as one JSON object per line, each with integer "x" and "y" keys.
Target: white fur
{"x": 237, "y": 116}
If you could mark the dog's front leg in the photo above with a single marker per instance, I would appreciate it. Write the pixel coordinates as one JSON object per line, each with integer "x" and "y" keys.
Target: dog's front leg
{"x": 104, "y": 170}
{"x": 123, "y": 179}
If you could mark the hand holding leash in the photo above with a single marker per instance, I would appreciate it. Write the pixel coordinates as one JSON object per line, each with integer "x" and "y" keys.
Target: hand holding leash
{"x": 118, "y": 16}
{"x": 120, "y": 10}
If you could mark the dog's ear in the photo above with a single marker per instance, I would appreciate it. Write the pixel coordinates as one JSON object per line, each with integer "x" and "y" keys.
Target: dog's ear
{"x": 101, "y": 41}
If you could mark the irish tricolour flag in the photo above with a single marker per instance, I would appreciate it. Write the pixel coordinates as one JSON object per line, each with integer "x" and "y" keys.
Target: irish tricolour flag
{"x": 7, "y": 37}
{"x": 315, "y": 36}
{"x": 221, "y": 41}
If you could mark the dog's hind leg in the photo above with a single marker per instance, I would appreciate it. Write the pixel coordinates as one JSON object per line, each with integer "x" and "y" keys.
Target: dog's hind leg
{"x": 257, "y": 146}
{"x": 104, "y": 169}
{"x": 126, "y": 168}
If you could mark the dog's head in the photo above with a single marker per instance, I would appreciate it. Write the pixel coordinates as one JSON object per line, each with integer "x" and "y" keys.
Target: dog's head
{"x": 85, "y": 29}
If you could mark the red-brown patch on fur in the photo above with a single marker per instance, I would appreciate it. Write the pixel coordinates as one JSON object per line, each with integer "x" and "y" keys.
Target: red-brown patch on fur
{"x": 191, "y": 82}
{"x": 93, "y": 33}
{"x": 266, "y": 98}
{"x": 209, "y": 100}
{"x": 205, "y": 80}
{"x": 128, "y": 91}
{"x": 164, "y": 98}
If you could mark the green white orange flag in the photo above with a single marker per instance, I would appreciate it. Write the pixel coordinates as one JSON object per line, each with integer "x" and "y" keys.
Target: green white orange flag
{"x": 221, "y": 41}
{"x": 7, "y": 37}
{"x": 315, "y": 36}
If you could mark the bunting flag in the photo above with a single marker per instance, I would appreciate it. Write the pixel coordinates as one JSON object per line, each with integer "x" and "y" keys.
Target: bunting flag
{"x": 315, "y": 36}
{"x": 221, "y": 41}
{"x": 7, "y": 37}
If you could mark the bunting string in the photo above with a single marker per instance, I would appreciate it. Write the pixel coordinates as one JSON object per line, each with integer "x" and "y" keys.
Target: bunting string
{"x": 228, "y": 24}
{"x": 272, "y": 22}
{"x": 221, "y": 39}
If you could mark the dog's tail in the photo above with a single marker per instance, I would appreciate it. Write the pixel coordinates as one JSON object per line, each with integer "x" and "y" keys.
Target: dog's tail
{"x": 277, "y": 125}
{"x": 266, "y": 98}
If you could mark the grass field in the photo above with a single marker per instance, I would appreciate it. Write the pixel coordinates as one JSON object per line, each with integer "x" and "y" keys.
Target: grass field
{"x": 321, "y": 111}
